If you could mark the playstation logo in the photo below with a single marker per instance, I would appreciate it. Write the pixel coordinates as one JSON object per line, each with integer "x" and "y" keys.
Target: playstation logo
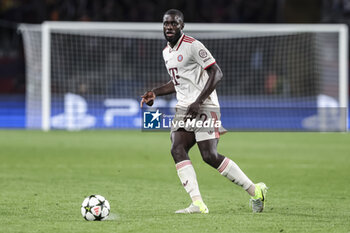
{"x": 75, "y": 115}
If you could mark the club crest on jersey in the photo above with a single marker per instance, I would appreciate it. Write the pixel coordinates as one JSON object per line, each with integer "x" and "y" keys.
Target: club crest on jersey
{"x": 203, "y": 53}
{"x": 180, "y": 58}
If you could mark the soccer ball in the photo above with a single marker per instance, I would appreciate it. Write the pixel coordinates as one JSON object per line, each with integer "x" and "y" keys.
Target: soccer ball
{"x": 95, "y": 208}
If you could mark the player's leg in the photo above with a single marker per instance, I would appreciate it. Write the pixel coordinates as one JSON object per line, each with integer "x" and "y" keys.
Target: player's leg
{"x": 208, "y": 150}
{"x": 231, "y": 170}
{"x": 182, "y": 141}
{"x": 224, "y": 165}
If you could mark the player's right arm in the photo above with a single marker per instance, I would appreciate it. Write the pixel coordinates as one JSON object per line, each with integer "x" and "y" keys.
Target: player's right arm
{"x": 149, "y": 96}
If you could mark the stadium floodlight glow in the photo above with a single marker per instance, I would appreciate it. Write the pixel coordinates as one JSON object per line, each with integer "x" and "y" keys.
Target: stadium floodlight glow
{"x": 265, "y": 66}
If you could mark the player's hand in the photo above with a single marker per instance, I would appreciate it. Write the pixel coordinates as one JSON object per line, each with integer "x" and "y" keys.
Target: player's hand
{"x": 147, "y": 98}
{"x": 192, "y": 111}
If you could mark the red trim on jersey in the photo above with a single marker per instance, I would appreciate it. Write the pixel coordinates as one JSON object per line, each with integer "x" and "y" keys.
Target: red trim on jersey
{"x": 165, "y": 47}
{"x": 210, "y": 65}
{"x": 213, "y": 115}
{"x": 183, "y": 36}
{"x": 187, "y": 41}
{"x": 189, "y": 38}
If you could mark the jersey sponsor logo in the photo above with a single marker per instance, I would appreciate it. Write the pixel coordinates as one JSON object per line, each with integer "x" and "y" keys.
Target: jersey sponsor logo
{"x": 180, "y": 58}
{"x": 174, "y": 75}
{"x": 202, "y": 53}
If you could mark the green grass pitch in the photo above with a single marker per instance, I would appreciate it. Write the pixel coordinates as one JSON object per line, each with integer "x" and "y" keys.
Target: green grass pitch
{"x": 44, "y": 178}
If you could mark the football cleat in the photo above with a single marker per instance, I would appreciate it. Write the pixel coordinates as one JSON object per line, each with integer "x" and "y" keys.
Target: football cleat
{"x": 258, "y": 201}
{"x": 195, "y": 207}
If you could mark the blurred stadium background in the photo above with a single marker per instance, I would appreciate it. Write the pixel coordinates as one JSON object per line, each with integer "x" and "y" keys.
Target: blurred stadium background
{"x": 258, "y": 77}
{"x": 276, "y": 76}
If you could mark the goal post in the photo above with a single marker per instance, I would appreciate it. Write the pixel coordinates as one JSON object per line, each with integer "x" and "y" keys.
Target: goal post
{"x": 46, "y": 76}
{"x": 87, "y": 70}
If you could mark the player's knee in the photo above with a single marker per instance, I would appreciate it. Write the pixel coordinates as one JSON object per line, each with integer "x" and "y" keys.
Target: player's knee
{"x": 209, "y": 156}
{"x": 178, "y": 152}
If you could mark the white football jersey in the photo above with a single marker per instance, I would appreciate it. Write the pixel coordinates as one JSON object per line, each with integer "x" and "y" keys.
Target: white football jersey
{"x": 186, "y": 64}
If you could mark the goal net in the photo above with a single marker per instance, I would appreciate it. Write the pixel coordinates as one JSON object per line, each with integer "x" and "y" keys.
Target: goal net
{"x": 276, "y": 77}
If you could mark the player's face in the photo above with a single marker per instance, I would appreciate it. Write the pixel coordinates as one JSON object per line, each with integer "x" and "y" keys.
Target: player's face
{"x": 172, "y": 28}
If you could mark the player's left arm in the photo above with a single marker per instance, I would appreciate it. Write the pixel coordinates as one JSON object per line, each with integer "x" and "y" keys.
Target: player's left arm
{"x": 215, "y": 75}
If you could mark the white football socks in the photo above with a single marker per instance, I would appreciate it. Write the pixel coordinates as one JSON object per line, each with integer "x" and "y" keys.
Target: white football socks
{"x": 230, "y": 169}
{"x": 188, "y": 178}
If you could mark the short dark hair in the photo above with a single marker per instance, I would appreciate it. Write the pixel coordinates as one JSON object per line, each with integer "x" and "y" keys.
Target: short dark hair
{"x": 175, "y": 12}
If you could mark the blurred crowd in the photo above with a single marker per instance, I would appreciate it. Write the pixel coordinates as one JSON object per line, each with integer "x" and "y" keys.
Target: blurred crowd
{"x": 13, "y": 12}
{"x": 234, "y": 11}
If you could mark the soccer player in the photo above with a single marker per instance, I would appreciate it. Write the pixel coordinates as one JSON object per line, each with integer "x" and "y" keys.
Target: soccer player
{"x": 194, "y": 75}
